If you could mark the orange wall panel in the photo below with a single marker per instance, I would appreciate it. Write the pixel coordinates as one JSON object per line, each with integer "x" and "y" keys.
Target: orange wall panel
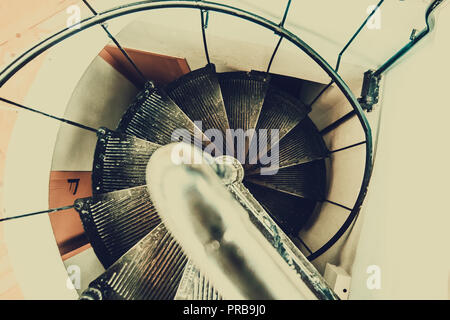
{"x": 65, "y": 188}
{"x": 159, "y": 68}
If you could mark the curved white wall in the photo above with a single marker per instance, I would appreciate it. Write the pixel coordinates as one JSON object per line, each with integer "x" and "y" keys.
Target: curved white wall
{"x": 406, "y": 221}
{"x": 32, "y": 248}
{"x": 31, "y": 245}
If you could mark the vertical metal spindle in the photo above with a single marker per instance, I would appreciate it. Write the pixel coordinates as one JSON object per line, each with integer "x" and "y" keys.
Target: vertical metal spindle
{"x": 122, "y": 50}
{"x": 341, "y": 53}
{"x": 283, "y": 20}
{"x": 204, "y": 21}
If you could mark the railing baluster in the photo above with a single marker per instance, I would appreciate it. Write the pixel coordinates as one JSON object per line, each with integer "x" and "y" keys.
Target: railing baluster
{"x": 348, "y": 147}
{"x": 73, "y": 123}
{"x": 339, "y": 205}
{"x": 338, "y": 122}
{"x": 320, "y": 94}
{"x": 341, "y": 53}
{"x": 122, "y": 50}
{"x": 204, "y": 22}
{"x": 283, "y": 20}
{"x": 305, "y": 245}
{"x": 37, "y": 212}
{"x": 338, "y": 63}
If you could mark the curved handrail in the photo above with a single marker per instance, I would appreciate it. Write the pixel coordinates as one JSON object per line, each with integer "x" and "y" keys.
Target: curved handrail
{"x": 110, "y": 14}
{"x": 429, "y": 21}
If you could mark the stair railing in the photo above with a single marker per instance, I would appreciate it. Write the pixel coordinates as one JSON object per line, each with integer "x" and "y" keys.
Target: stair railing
{"x": 100, "y": 18}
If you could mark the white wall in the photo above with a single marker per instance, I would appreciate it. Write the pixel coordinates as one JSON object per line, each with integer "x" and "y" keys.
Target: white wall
{"x": 406, "y": 222}
{"x": 32, "y": 248}
{"x": 100, "y": 99}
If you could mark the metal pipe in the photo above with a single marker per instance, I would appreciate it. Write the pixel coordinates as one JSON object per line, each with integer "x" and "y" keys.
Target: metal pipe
{"x": 37, "y": 213}
{"x": 214, "y": 230}
{"x": 429, "y": 19}
{"x": 70, "y": 122}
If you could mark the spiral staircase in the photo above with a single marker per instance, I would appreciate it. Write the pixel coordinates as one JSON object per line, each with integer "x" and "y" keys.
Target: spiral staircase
{"x": 142, "y": 259}
{"x": 121, "y": 222}
{"x": 295, "y": 201}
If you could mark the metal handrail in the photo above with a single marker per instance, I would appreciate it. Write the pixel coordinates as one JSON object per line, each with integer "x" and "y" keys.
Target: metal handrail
{"x": 214, "y": 230}
{"x": 429, "y": 20}
{"x": 141, "y": 6}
